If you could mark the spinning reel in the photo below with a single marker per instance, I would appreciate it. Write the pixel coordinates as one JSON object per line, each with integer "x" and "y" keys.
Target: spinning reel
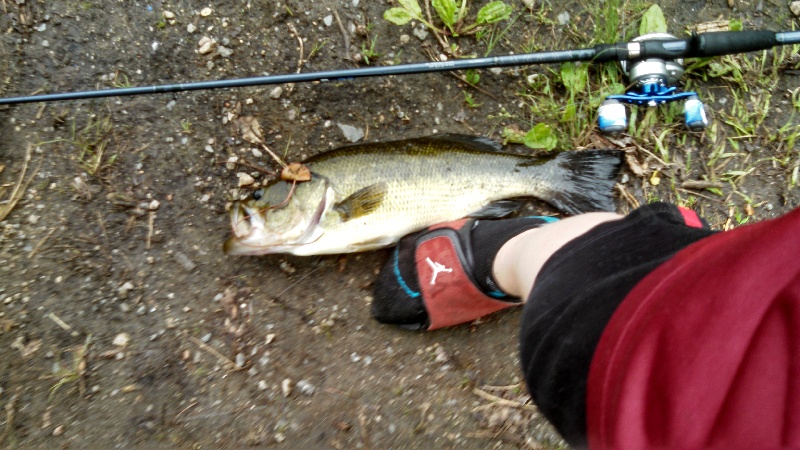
{"x": 653, "y": 81}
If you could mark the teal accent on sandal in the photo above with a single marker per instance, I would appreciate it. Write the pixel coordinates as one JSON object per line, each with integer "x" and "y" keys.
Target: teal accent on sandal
{"x": 497, "y": 294}
{"x": 399, "y": 277}
{"x": 546, "y": 219}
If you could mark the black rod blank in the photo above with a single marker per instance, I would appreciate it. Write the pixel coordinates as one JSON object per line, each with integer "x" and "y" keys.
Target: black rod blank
{"x": 699, "y": 45}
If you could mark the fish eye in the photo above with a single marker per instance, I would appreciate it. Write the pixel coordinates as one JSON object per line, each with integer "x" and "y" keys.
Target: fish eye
{"x": 258, "y": 194}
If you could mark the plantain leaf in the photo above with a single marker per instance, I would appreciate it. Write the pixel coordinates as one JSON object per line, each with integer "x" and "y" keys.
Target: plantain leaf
{"x": 413, "y": 7}
{"x": 446, "y": 9}
{"x": 541, "y": 136}
{"x": 653, "y": 21}
{"x": 574, "y": 77}
{"x": 398, "y": 16}
{"x": 494, "y": 12}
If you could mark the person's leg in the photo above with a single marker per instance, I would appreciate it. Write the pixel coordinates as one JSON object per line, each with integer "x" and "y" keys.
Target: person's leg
{"x": 519, "y": 260}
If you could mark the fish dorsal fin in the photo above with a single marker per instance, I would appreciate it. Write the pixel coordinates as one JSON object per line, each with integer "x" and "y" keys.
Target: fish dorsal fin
{"x": 481, "y": 143}
{"x": 362, "y": 201}
{"x": 496, "y": 210}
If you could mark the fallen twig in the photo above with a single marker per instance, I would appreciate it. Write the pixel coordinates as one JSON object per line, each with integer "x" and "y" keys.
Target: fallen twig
{"x": 501, "y": 401}
{"x": 21, "y": 186}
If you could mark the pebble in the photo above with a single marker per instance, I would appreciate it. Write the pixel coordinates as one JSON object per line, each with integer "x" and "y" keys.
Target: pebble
{"x": 122, "y": 339}
{"x": 205, "y": 12}
{"x": 276, "y": 92}
{"x": 794, "y": 7}
{"x": 184, "y": 261}
{"x": 351, "y": 133}
{"x": 421, "y": 33}
{"x": 153, "y": 205}
{"x": 245, "y": 179}
{"x": 225, "y": 52}
{"x": 191, "y": 28}
{"x": 231, "y": 164}
{"x": 256, "y": 152}
{"x": 41, "y": 27}
{"x": 328, "y": 20}
{"x": 45, "y": 43}
{"x": 209, "y": 149}
{"x": 240, "y": 359}
{"x": 305, "y": 387}
{"x": 58, "y": 431}
{"x": 169, "y": 15}
{"x": 404, "y": 39}
{"x": 206, "y": 45}
{"x": 262, "y": 385}
{"x": 563, "y": 18}
{"x": 205, "y": 338}
{"x": 286, "y": 387}
{"x": 125, "y": 289}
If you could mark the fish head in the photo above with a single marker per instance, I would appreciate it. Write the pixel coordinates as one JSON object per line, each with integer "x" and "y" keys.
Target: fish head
{"x": 279, "y": 217}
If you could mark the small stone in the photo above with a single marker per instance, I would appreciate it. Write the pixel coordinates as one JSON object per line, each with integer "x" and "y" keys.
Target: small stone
{"x": 121, "y": 340}
{"x": 59, "y": 279}
{"x": 328, "y": 20}
{"x": 240, "y": 359}
{"x": 421, "y": 33}
{"x": 33, "y": 219}
{"x": 41, "y": 27}
{"x": 305, "y": 387}
{"x": 245, "y": 179}
{"x": 191, "y": 28}
{"x": 169, "y": 15}
{"x": 209, "y": 149}
{"x": 256, "y": 152}
{"x": 276, "y": 92}
{"x": 231, "y": 164}
{"x": 125, "y": 289}
{"x": 563, "y": 18}
{"x": 58, "y": 431}
{"x": 404, "y": 39}
{"x": 205, "y": 338}
{"x": 225, "y": 52}
{"x": 351, "y": 133}
{"x": 206, "y": 45}
{"x": 262, "y": 385}
{"x": 153, "y": 205}
{"x": 286, "y": 387}
{"x": 794, "y": 7}
{"x": 184, "y": 261}
{"x": 45, "y": 43}
{"x": 205, "y": 12}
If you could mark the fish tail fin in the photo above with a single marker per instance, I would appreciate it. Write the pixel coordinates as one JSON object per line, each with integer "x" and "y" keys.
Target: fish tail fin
{"x": 588, "y": 181}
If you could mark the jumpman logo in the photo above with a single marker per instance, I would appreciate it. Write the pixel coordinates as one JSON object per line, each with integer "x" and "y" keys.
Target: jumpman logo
{"x": 437, "y": 267}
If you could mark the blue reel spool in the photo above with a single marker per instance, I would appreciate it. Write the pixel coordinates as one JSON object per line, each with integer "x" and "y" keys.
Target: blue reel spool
{"x": 652, "y": 80}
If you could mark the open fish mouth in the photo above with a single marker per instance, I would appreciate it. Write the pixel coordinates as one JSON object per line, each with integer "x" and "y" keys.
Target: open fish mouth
{"x": 253, "y": 236}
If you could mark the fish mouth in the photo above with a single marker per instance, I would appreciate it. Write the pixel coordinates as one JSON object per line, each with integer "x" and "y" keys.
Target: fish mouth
{"x": 252, "y": 236}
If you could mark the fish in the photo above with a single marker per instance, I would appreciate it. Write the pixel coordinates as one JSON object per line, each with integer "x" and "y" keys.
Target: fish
{"x": 366, "y": 196}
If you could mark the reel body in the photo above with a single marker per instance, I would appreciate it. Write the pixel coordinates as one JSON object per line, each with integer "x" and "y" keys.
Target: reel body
{"x": 653, "y": 81}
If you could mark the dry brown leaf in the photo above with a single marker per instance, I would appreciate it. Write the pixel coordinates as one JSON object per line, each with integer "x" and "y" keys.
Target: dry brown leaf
{"x": 634, "y": 164}
{"x": 249, "y": 129}
{"x": 295, "y": 172}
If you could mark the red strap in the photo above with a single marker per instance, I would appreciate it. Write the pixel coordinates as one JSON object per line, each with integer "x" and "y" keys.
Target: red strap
{"x": 690, "y": 217}
{"x": 705, "y": 351}
{"x": 449, "y": 295}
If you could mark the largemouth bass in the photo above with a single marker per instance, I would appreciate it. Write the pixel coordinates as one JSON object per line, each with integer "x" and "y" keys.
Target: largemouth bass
{"x": 366, "y": 196}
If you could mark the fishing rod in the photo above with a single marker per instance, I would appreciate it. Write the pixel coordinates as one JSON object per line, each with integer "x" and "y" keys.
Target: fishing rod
{"x": 652, "y": 62}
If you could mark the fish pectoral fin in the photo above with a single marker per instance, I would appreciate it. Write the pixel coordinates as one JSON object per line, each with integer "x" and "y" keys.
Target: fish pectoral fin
{"x": 496, "y": 210}
{"x": 362, "y": 201}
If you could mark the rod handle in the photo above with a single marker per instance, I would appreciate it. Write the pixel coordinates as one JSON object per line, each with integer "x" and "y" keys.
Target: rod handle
{"x": 710, "y": 44}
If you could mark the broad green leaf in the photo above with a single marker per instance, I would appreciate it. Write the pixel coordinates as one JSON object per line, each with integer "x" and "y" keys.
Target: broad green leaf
{"x": 574, "y": 77}
{"x": 413, "y": 7}
{"x": 653, "y": 21}
{"x": 541, "y": 136}
{"x": 494, "y": 12}
{"x": 446, "y": 9}
{"x": 398, "y": 16}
